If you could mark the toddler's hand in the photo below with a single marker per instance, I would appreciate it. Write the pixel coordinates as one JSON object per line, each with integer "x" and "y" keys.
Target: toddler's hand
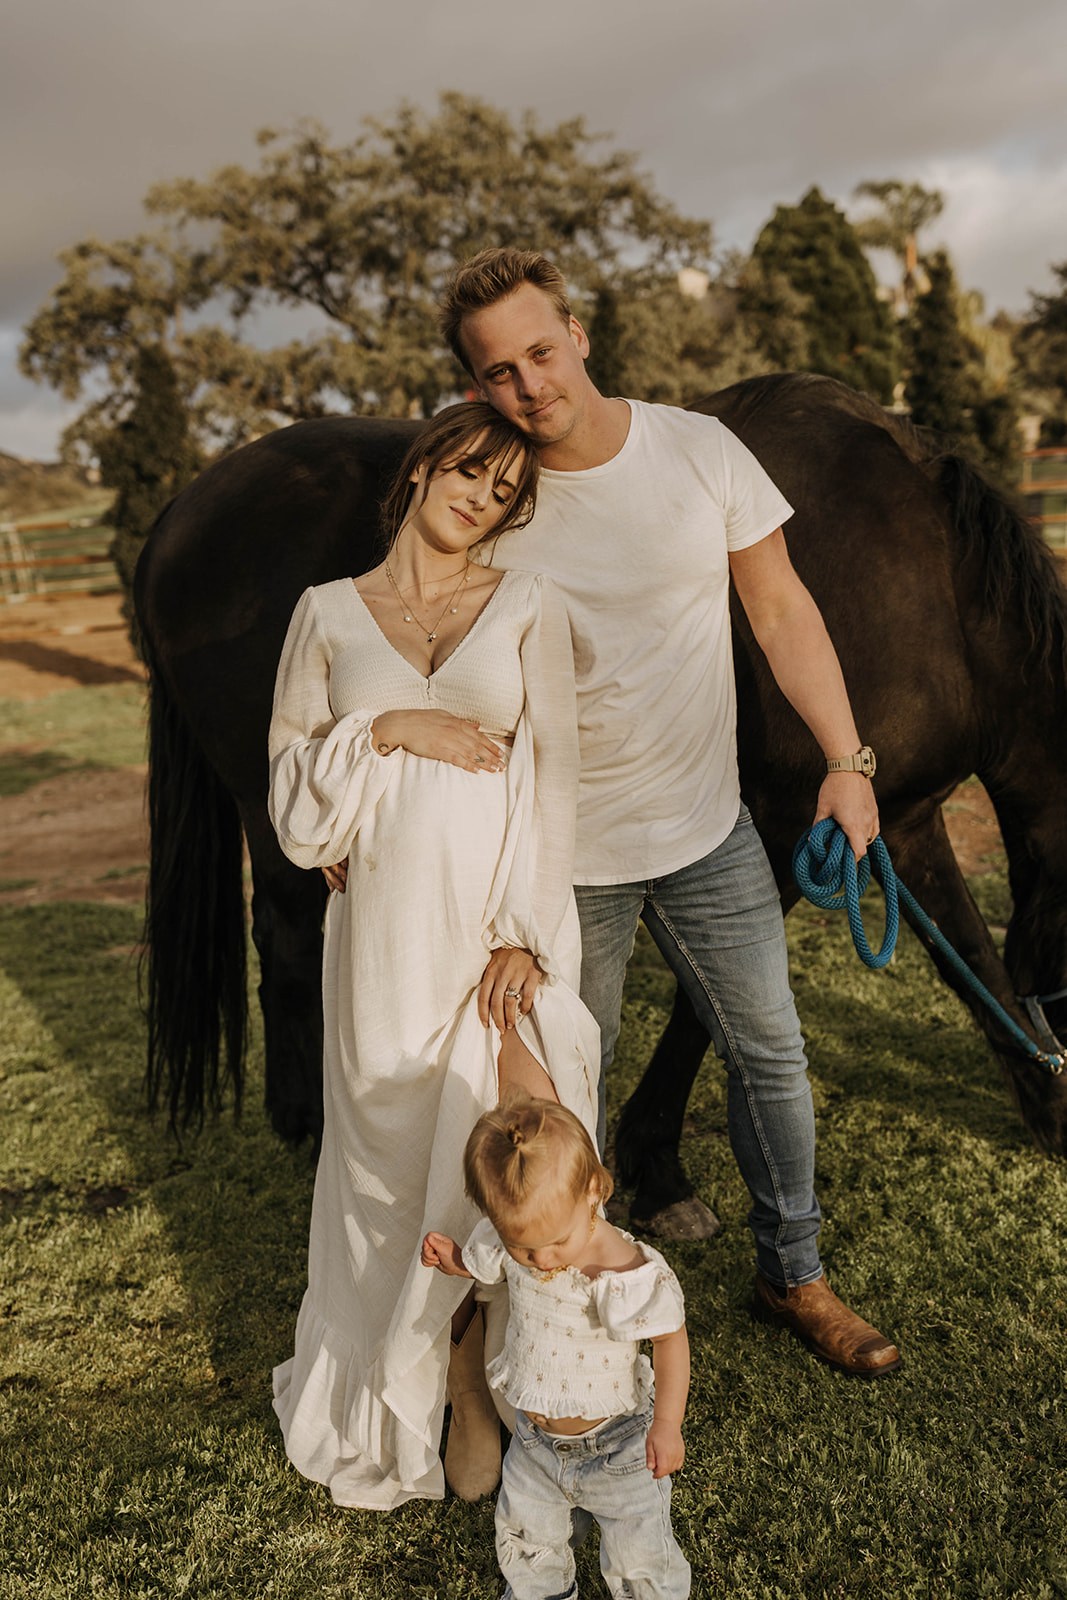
{"x": 664, "y": 1449}
{"x": 439, "y": 1251}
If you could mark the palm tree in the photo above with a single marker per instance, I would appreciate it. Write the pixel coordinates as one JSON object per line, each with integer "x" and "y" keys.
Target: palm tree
{"x": 906, "y": 209}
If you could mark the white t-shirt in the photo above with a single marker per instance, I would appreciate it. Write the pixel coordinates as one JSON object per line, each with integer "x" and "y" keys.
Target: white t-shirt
{"x": 638, "y": 548}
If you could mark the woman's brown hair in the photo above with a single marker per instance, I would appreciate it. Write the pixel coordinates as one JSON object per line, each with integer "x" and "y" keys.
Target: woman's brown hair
{"x": 470, "y": 431}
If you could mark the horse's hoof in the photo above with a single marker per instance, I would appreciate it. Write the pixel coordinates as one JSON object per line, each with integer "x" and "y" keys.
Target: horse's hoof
{"x": 685, "y": 1219}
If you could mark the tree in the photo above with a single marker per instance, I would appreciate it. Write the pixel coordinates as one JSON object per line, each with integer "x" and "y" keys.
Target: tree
{"x": 147, "y": 458}
{"x": 907, "y": 208}
{"x": 605, "y": 363}
{"x": 813, "y": 248}
{"x": 1041, "y": 349}
{"x": 675, "y": 347}
{"x": 947, "y": 385}
{"x": 363, "y": 235}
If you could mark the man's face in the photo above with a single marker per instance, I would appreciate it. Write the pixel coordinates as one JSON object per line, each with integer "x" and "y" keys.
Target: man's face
{"x": 529, "y": 363}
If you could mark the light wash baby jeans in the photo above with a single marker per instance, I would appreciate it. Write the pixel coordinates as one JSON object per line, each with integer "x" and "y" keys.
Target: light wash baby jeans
{"x": 552, "y": 1489}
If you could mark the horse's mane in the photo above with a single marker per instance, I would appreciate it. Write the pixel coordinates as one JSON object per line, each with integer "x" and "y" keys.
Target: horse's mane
{"x": 995, "y": 535}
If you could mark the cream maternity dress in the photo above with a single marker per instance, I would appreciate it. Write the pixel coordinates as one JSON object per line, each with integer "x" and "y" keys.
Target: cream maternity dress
{"x": 443, "y": 867}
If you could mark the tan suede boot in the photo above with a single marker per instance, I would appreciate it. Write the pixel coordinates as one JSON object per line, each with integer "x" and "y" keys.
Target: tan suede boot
{"x": 472, "y": 1454}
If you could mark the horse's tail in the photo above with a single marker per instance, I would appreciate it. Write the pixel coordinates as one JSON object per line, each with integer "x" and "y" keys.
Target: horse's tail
{"x": 197, "y": 999}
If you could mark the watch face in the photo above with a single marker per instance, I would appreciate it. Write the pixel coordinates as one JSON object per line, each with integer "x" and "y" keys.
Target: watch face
{"x": 868, "y": 765}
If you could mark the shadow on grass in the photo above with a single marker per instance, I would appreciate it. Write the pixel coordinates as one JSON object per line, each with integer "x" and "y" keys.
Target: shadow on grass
{"x": 21, "y": 769}
{"x": 140, "y": 1451}
{"x": 66, "y": 663}
{"x": 136, "y": 1424}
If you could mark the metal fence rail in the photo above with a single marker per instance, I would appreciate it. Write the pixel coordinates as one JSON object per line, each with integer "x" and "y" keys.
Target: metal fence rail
{"x": 68, "y": 557}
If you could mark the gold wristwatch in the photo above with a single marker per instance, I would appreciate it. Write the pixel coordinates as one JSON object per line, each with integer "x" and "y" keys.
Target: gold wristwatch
{"x": 863, "y": 761}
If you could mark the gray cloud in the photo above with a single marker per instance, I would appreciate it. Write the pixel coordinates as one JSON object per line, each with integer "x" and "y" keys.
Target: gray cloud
{"x": 734, "y": 106}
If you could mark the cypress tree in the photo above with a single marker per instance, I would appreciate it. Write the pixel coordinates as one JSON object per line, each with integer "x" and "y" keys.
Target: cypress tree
{"x": 147, "y": 458}
{"x": 605, "y": 363}
{"x": 850, "y": 332}
{"x": 946, "y": 385}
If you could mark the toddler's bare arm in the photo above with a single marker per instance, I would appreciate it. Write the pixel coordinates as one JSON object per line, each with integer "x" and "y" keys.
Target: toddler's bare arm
{"x": 664, "y": 1448}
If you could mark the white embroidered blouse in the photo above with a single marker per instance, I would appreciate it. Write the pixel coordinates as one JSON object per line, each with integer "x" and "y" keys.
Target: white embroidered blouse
{"x": 571, "y": 1348}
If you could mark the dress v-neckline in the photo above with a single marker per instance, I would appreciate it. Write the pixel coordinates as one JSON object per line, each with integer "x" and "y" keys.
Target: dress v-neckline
{"x": 427, "y": 677}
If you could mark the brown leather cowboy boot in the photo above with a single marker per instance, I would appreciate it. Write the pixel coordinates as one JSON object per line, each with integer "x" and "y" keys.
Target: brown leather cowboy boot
{"x": 472, "y": 1454}
{"x": 827, "y": 1327}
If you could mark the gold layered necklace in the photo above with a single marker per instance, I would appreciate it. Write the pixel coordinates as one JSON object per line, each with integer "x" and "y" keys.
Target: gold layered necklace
{"x": 411, "y": 615}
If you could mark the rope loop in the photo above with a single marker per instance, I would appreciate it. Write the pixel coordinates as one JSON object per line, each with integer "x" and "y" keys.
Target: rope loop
{"x": 827, "y": 874}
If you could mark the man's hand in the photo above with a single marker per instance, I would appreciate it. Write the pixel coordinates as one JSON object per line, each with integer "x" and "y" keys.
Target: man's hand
{"x": 337, "y": 877}
{"x": 509, "y": 988}
{"x": 439, "y": 1251}
{"x": 849, "y": 798}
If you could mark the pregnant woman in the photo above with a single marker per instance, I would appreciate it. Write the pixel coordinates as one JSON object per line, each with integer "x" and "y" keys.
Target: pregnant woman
{"x": 424, "y": 738}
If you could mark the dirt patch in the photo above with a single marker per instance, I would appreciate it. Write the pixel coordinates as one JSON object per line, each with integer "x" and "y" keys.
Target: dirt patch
{"x": 81, "y": 836}
{"x": 55, "y": 642}
{"x": 78, "y": 835}
{"x": 972, "y": 829}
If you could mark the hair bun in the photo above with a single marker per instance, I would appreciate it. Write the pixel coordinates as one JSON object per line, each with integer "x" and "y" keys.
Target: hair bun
{"x": 516, "y": 1133}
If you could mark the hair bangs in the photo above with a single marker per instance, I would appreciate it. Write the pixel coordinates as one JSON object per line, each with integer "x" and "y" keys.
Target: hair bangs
{"x": 468, "y": 432}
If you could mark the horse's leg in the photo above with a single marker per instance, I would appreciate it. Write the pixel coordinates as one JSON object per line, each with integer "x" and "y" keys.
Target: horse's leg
{"x": 923, "y": 860}
{"x": 287, "y": 905}
{"x": 649, "y": 1133}
{"x": 1032, "y": 821}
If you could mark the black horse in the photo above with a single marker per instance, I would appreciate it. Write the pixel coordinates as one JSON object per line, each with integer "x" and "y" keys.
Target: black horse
{"x": 948, "y": 616}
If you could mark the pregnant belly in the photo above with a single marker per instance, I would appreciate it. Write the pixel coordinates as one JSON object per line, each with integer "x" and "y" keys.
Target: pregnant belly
{"x": 433, "y": 845}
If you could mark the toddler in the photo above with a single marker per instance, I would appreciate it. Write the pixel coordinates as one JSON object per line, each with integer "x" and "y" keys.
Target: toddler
{"x": 588, "y": 1442}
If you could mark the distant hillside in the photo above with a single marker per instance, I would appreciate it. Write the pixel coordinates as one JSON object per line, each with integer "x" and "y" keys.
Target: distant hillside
{"x": 32, "y": 488}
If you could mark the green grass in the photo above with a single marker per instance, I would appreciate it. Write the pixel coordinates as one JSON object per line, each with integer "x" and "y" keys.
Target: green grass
{"x": 147, "y": 1288}
{"x": 72, "y": 730}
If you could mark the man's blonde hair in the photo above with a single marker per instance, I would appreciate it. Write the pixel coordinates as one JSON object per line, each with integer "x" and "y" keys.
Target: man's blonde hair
{"x": 490, "y": 276}
{"x": 526, "y": 1152}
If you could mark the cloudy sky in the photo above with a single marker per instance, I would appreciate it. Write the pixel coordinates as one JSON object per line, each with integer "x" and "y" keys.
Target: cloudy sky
{"x": 732, "y": 106}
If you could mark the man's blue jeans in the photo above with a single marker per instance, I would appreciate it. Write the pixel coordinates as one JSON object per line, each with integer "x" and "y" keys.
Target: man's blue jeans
{"x": 552, "y": 1489}
{"x": 718, "y": 924}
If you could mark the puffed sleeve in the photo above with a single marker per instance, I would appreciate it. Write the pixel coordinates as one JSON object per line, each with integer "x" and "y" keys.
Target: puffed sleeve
{"x": 644, "y": 1303}
{"x": 483, "y": 1254}
{"x": 325, "y": 775}
{"x": 539, "y": 886}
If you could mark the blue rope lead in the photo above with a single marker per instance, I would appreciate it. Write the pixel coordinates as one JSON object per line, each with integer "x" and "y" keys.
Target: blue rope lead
{"x": 826, "y": 873}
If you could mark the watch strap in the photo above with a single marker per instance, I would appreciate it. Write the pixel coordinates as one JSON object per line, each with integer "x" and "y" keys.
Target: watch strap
{"x": 863, "y": 761}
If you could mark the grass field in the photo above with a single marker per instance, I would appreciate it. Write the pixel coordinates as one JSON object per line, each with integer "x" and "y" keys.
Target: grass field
{"x": 147, "y": 1289}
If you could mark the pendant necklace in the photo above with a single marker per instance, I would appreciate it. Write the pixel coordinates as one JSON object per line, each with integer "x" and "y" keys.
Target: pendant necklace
{"x": 409, "y": 613}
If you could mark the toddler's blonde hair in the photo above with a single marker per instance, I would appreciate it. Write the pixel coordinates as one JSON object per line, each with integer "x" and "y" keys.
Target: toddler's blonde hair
{"x": 524, "y": 1146}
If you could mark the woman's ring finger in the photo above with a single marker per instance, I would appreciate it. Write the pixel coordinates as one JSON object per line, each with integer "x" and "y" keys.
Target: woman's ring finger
{"x": 515, "y": 994}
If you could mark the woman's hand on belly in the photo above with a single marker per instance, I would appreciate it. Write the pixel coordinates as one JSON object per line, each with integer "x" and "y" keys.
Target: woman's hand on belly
{"x": 438, "y": 736}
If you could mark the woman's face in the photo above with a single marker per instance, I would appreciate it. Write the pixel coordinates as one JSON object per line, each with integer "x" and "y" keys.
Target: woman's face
{"x": 463, "y": 500}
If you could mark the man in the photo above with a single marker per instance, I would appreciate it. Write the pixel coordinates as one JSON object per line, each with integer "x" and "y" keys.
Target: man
{"x": 644, "y": 515}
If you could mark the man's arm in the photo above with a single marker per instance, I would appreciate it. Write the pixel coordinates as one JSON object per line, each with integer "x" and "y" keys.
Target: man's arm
{"x": 792, "y": 635}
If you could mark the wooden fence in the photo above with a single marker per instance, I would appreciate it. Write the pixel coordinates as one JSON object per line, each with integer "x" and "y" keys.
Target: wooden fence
{"x": 70, "y": 557}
